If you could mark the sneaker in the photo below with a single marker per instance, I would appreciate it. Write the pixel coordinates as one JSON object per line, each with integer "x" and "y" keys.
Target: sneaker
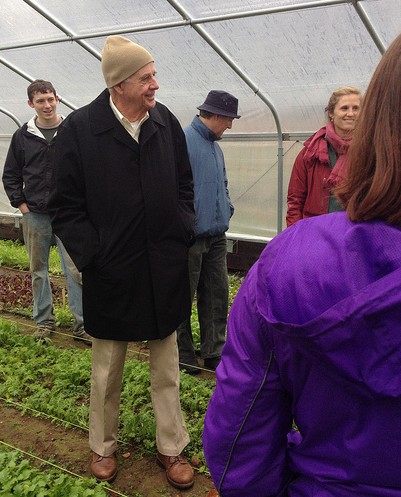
{"x": 82, "y": 336}
{"x": 43, "y": 331}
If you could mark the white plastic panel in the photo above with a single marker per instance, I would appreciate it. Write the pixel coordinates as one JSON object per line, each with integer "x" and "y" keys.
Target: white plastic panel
{"x": 285, "y": 54}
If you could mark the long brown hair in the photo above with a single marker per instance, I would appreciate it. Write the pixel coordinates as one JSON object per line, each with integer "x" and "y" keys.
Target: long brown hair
{"x": 373, "y": 188}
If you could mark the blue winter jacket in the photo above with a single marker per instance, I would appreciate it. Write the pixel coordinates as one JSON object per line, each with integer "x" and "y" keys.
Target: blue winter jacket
{"x": 213, "y": 208}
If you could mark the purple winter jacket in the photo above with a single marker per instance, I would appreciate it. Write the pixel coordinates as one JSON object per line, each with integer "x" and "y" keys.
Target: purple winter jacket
{"x": 314, "y": 338}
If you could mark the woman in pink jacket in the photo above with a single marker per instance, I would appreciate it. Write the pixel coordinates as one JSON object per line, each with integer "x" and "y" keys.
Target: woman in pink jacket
{"x": 321, "y": 165}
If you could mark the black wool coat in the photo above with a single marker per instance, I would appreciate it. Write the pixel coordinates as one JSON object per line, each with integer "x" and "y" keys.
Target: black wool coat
{"x": 125, "y": 214}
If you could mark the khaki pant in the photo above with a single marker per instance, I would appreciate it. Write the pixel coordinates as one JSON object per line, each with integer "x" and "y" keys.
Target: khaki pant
{"x": 108, "y": 358}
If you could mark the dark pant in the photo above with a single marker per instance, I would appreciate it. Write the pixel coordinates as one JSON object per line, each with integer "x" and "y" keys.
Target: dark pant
{"x": 209, "y": 278}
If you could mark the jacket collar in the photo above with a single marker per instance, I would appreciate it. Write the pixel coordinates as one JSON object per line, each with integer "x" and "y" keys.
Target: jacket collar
{"x": 203, "y": 130}
{"x": 34, "y": 130}
{"x": 103, "y": 119}
{"x": 316, "y": 147}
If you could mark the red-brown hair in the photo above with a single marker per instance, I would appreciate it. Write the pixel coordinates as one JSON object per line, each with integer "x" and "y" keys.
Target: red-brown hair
{"x": 373, "y": 187}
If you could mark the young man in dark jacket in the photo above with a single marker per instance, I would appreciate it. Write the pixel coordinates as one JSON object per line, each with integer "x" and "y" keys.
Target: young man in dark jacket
{"x": 28, "y": 180}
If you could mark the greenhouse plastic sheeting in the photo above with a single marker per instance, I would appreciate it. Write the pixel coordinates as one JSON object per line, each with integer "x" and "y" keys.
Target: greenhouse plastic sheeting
{"x": 281, "y": 59}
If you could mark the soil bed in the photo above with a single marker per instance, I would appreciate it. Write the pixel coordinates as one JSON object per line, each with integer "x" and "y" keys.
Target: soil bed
{"x": 68, "y": 447}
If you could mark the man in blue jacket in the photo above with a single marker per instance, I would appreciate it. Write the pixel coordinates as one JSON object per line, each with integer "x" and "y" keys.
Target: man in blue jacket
{"x": 213, "y": 210}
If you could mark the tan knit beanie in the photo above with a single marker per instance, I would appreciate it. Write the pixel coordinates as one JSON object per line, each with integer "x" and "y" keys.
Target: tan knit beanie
{"x": 122, "y": 57}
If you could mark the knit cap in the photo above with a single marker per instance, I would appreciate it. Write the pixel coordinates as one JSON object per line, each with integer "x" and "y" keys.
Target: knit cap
{"x": 121, "y": 58}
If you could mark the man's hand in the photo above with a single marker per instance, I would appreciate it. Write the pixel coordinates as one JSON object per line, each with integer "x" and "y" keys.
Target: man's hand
{"x": 23, "y": 208}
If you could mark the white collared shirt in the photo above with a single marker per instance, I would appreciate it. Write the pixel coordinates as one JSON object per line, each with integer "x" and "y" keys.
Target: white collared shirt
{"x": 133, "y": 128}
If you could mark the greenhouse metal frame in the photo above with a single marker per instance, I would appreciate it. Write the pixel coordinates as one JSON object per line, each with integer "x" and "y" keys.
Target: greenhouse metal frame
{"x": 282, "y": 59}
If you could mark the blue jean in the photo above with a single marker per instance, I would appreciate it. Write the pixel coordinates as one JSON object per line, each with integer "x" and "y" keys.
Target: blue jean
{"x": 207, "y": 262}
{"x": 38, "y": 237}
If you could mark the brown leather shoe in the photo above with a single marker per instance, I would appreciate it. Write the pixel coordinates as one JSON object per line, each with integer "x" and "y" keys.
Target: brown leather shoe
{"x": 178, "y": 470}
{"x": 104, "y": 468}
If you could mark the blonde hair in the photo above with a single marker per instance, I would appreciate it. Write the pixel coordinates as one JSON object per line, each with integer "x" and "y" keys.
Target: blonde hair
{"x": 337, "y": 94}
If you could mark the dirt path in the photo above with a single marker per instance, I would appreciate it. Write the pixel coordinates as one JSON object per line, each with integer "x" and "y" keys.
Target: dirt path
{"x": 68, "y": 449}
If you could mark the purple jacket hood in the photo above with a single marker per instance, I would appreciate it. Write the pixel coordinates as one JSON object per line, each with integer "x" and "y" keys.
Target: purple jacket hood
{"x": 344, "y": 296}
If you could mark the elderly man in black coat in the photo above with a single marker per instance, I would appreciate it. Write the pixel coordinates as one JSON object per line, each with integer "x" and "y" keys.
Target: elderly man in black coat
{"x": 123, "y": 207}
